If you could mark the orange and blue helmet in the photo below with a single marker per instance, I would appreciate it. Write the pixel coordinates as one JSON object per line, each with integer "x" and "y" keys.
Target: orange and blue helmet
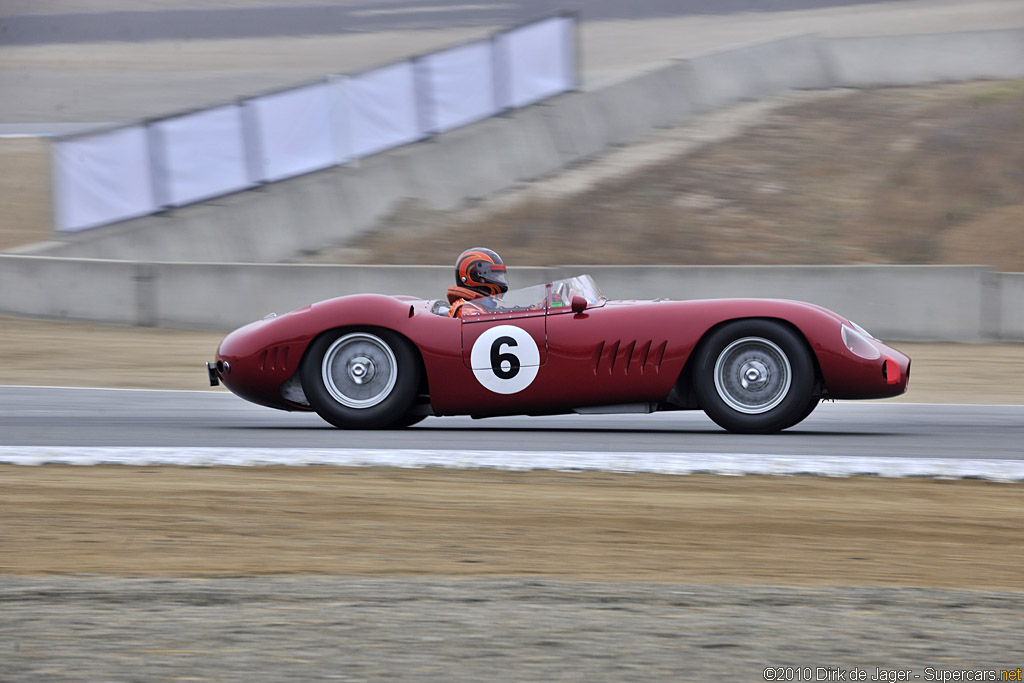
{"x": 481, "y": 270}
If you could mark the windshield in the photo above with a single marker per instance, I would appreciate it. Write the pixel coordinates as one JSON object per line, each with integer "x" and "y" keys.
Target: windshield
{"x": 562, "y": 291}
{"x": 538, "y": 298}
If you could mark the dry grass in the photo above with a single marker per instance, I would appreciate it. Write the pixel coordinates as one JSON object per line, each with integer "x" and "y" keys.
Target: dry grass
{"x": 886, "y": 176}
{"x": 996, "y": 238}
{"x": 805, "y": 531}
{"x": 48, "y": 353}
{"x": 25, "y": 189}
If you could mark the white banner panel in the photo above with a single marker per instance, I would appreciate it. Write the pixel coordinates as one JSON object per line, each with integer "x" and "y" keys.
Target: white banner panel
{"x": 200, "y": 155}
{"x": 538, "y": 60}
{"x": 459, "y": 86}
{"x": 295, "y": 132}
{"x": 102, "y": 178}
{"x": 341, "y": 113}
{"x": 382, "y": 109}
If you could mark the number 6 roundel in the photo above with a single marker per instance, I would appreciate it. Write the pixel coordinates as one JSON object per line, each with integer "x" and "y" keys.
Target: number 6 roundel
{"x": 505, "y": 359}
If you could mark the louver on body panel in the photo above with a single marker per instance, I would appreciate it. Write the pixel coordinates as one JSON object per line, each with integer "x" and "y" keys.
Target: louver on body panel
{"x": 628, "y": 356}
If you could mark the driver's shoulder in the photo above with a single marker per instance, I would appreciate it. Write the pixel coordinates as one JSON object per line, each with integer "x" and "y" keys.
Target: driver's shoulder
{"x": 455, "y": 292}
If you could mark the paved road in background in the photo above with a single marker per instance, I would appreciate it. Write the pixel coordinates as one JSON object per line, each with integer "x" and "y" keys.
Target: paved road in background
{"x": 375, "y": 15}
{"x": 31, "y": 416}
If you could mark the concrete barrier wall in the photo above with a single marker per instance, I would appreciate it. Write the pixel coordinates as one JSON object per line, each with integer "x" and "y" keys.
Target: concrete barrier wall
{"x": 929, "y": 58}
{"x": 280, "y": 220}
{"x": 1008, "y": 317}
{"x": 927, "y": 303}
{"x": 75, "y": 289}
{"x": 910, "y": 303}
{"x": 759, "y": 71}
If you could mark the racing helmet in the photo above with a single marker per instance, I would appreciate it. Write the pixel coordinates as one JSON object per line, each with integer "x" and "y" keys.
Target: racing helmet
{"x": 481, "y": 270}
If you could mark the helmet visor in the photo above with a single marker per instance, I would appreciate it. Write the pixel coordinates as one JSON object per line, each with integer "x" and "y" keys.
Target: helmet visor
{"x": 491, "y": 274}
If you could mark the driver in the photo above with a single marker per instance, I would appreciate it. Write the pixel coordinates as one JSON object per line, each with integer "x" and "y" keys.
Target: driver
{"x": 479, "y": 272}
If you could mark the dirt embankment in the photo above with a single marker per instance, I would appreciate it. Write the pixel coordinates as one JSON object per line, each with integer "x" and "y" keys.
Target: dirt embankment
{"x": 902, "y": 175}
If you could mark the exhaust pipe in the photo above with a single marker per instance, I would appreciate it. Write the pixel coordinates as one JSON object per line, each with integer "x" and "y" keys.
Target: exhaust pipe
{"x": 215, "y": 369}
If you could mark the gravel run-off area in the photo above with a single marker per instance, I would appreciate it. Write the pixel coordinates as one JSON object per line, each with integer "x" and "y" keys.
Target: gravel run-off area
{"x": 331, "y": 628}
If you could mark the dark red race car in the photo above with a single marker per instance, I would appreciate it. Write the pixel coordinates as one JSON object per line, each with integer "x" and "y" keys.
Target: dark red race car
{"x": 373, "y": 361}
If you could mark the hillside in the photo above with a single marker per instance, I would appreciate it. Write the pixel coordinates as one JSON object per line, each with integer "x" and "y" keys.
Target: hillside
{"x": 899, "y": 175}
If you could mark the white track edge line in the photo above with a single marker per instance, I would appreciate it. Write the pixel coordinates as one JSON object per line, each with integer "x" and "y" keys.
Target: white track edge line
{"x": 730, "y": 464}
{"x": 210, "y": 391}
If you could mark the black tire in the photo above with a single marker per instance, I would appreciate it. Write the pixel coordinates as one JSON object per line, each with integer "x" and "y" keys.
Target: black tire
{"x": 805, "y": 413}
{"x": 361, "y": 378}
{"x": 408, "y": 421}
{"x": 754, "y": 377}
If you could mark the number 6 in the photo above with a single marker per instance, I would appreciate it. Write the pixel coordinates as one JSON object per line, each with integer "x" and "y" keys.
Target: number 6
{"x": 505, "y": 359}
{"x": 498, "y": 359}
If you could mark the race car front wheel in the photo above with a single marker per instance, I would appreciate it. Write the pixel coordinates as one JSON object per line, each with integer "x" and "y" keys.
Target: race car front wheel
{"x": 754, "y": 376}
{"x": 806, "y": 412}
{"x": 361, "y": 379}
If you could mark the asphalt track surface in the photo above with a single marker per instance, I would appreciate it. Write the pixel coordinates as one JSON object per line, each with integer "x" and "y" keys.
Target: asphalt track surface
{"x": 110, "y": 418}
{"x": 373, "y": 15}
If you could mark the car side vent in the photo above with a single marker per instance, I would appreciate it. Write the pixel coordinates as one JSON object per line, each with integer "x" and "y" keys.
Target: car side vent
{"x": 274, "y": 358}
{"x": 596, "y": 357}
{"x": 638, "y": 358}
{"x": 632, "y": 356}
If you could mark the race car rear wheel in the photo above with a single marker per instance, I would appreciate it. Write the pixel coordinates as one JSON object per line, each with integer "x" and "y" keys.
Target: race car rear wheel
{"x": 361, "y": 379}
{"x": 754, "y": 376}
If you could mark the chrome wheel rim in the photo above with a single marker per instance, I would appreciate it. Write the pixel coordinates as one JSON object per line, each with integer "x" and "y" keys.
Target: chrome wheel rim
{"x": 359, "y": 370}
{"x": 753, "y": 375}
